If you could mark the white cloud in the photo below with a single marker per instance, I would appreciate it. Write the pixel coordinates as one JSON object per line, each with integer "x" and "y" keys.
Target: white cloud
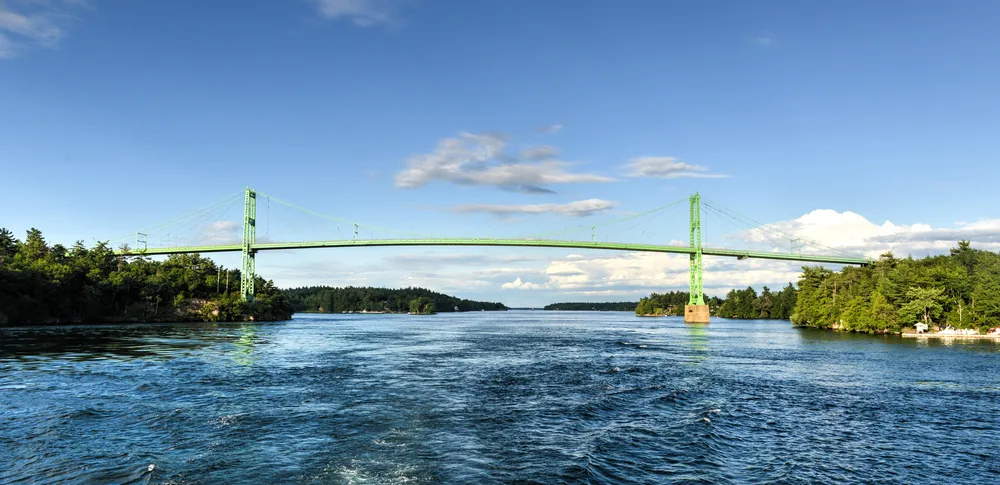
{"x": 220, "y": 232}
{"x": 34, "y": 24}
{"x": 853, "y": 232}
{"x": 668, "y": 168}
{"x": 580, "y": 208}
{"x": 480, "y": 159}
{"x": 517, "y": 284}
{"x": 550, "y": 129}
{"x": 364, "y": 13}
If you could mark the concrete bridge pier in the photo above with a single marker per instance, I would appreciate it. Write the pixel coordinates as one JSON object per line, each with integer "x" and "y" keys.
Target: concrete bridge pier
{"x": 696, "y": 314}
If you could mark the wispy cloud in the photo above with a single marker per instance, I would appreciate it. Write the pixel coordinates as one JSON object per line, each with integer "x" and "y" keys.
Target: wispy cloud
{"x": 220, "y": 232}
{"x": 481, "y": 159}
{"x": 433, "y": 261}
{"x": 765, "y": 40}
{"x": 550, "y": 129}
{"x": 539, "y": 153}
{"x": 25, "y": 25}
{"x": 364, "y": 13}
{"x": 580, "y": 208}
{"x": 668, "y": 168}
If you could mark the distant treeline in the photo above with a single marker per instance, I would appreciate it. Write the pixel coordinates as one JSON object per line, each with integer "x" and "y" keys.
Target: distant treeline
{"x": 41, "y": 284}
{"x": 326, "y": 299}
{"x": 615, "y": 306}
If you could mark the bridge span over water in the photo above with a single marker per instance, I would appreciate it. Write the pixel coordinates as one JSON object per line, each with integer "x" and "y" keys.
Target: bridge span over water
{"x": 696, "y": 310}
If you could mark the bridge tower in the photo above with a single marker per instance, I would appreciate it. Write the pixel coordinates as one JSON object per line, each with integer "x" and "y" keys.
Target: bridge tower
{"x": 249, "y": 254}
{"x": 696, "y": 311}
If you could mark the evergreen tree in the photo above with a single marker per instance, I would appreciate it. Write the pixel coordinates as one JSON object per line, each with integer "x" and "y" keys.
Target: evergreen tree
{"x": 923, "y": 304}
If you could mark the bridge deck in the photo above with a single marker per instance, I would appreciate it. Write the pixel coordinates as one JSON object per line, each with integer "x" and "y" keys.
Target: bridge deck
{"x": 544, "y": 243}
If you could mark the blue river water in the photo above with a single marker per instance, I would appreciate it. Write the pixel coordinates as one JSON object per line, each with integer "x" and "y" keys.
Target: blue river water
{"x": 507, "y": 397}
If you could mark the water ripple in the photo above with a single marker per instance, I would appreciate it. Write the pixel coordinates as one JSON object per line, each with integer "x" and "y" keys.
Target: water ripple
{"x": 492, "y": 398}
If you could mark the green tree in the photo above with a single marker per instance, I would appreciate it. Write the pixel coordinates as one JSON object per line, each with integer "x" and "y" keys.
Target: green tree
{"x": 670, "y": 303}
{"x": 35, "y": 247}
{"x": 422, "y": 305}
{"x": 8, "y": 246}
{"x": 923, "y": 304}
{"x": 985, "y": 296}
{"x": 856, "y": 315}
{"x": 883, "y": 315}
{"x": 965, "y": 255}
{"x": 814, "y": 304}
{"x": 784, "y": 303}
{"x": 763, "y": 304}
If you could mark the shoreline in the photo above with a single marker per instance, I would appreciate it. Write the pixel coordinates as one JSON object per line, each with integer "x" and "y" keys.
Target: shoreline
{"x": 938, "y": 335}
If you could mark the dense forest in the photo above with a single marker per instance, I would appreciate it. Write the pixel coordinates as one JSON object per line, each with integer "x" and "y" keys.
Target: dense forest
{"x": 960, "y": 289}
{"x": 671, "y": 304}
{"x": 748, "y": 305}
{"x": 40, "y": 284}
{"x": 616, "y": 306}
{"x": 326, "y": 299}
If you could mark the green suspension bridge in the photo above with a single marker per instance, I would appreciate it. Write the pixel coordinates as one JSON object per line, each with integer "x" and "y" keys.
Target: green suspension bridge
{"x": 249, "y": 247}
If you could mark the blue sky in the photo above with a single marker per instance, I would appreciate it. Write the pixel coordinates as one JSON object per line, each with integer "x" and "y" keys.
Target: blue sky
{"x": 825, "y": 118}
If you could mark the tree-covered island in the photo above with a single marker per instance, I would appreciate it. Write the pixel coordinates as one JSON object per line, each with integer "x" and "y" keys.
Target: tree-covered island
{"x": 356, "y": 299}
{"x": 53, "y": 284}
{"x": 960, "y": 289}
{"x": 43, "y": 284}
